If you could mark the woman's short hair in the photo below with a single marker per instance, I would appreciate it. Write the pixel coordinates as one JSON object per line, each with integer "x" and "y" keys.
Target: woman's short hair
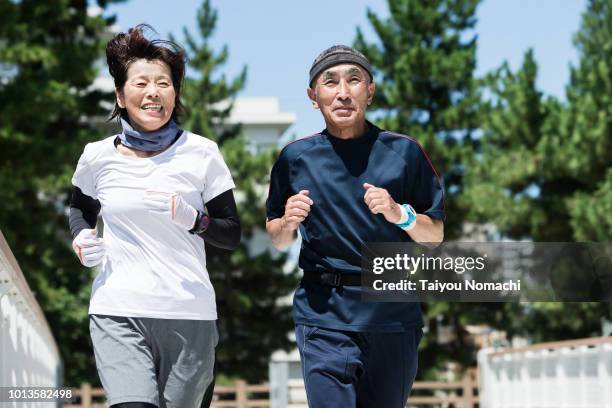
{"x": 125, "y": 48}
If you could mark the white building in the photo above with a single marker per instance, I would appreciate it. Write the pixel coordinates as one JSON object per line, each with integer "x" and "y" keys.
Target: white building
{"x": 263, "y": 124}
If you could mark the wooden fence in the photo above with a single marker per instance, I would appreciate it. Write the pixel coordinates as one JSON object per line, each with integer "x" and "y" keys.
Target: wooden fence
{"x": 86, "y": 395}
{"x": 462, "y": 394}
{"x": 239, "y": 395}
{"x": 243, "y": 394}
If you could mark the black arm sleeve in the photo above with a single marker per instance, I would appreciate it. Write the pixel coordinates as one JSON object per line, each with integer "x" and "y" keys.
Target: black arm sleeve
{"x": 224, "y": 227}
{"x": 84, "y": 211}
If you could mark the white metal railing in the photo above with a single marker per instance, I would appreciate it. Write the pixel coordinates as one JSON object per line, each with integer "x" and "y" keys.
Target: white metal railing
{"x": 575, "y": 373}
{"x": 29, "y": 356}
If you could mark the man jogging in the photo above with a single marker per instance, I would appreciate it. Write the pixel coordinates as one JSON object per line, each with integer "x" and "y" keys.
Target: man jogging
{"x": 349, "y": 184}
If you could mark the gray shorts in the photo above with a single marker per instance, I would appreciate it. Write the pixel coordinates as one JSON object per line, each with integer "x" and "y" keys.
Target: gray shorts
{"x": 164, "y": 362}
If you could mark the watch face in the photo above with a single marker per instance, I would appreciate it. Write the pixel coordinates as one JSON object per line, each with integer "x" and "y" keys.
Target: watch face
{"x": 411, "y": 212}
{"x": 204, "y": 223}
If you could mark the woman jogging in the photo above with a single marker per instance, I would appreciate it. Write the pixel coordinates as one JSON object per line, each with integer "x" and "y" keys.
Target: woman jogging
{"x": 152, "y": 310}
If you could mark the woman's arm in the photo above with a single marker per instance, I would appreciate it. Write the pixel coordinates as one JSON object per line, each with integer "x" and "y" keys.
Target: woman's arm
{"x": 221, "y": 226}
{"x": 84, "y": 211}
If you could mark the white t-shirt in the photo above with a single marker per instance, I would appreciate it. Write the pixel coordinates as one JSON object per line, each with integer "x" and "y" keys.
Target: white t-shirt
{"x": 153, "y": 268}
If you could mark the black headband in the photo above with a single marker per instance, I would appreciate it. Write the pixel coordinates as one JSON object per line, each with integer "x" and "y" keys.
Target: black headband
{"x": 340, "y": 56}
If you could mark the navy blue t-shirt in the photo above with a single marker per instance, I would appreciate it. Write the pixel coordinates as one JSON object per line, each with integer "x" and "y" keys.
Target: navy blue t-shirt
{"x": 333, "y": 170}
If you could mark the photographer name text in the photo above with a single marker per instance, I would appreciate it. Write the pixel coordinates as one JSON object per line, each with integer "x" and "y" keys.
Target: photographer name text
{"x": 441, "y": 287}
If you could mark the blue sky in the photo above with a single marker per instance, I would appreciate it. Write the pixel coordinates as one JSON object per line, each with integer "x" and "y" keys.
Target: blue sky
{"x": 277, "y": 40}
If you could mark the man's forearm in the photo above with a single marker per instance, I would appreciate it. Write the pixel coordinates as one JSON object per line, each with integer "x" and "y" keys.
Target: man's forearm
{"x": 427, "y": 230}
{"x": 281, "y": 237}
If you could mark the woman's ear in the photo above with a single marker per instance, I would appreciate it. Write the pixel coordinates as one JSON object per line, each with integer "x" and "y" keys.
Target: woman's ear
{"x": 120, "y": 98}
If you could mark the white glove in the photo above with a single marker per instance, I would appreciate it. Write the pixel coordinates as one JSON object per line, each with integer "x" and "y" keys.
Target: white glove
{"x": 171, "y": 205}
{"x": 89, "y": 247}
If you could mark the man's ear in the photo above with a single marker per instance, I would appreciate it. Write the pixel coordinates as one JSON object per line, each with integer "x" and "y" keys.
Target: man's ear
{"x": 120, "y": 98}
{"x": 313, "y": 97}
{"x": 371, "y": 90}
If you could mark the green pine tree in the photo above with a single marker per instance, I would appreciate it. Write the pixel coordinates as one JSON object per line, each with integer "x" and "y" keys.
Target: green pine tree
{"x": 587, "y": 132}
{"x": 48, "y": 52}
{"x": 252, "y": 323}
{"x": 577, "y": 174}
{"x": 209, "y": 96}
{"x": 542, "y": 170}
{"x": 544, "y": 167}
{"x": 508, "y": 182}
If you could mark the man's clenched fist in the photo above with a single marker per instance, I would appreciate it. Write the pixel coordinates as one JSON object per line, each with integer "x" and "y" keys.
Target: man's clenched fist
{"x": 379, "y": 201}
{"x": 297, "y": 209}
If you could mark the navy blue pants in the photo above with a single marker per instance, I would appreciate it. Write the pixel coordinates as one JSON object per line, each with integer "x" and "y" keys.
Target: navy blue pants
{"x": 357, "y": 369}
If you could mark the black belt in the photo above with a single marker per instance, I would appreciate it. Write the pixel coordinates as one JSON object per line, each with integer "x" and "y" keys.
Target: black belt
{"x": 330, "y": 278}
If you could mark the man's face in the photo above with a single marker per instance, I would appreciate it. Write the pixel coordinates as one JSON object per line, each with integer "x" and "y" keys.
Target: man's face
{"x": 342, "y": 93}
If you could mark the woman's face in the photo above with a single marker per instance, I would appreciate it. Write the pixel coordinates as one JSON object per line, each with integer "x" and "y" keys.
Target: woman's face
{"x": 148, "y": 94}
